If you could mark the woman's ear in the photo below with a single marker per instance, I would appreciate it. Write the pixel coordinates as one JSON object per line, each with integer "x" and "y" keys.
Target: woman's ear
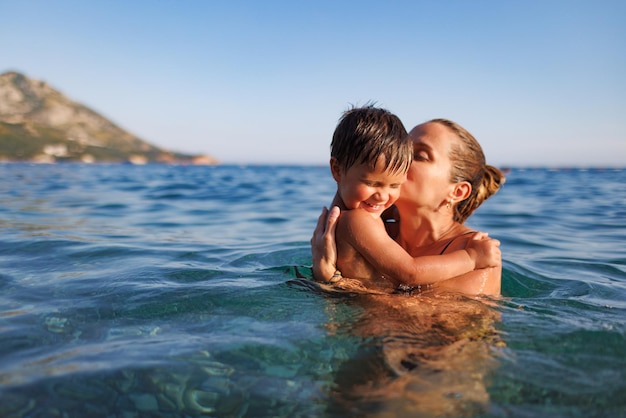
{"x": 335, "y": 169}
{"x": 461, "y": 191}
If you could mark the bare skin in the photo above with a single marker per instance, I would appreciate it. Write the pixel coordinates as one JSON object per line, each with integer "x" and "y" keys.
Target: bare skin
{"x": 426, "y": 226}
{"x": 365, "y": 250}
{"x": 434, "y": 350}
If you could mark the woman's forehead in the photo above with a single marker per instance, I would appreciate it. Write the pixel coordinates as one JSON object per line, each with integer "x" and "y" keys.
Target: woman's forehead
{"x": 433, "y": 135}
{"x": 429, "y": 129}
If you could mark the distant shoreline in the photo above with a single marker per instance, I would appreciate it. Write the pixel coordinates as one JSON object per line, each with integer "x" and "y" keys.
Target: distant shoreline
{"x": 505, "y": 169}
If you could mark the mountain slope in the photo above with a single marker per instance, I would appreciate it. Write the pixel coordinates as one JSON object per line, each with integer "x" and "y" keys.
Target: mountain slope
{"x": 38, "y": 123}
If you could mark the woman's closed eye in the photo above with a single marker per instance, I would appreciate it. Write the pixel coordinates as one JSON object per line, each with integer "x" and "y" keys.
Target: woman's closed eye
{"x": 421, "y": 155}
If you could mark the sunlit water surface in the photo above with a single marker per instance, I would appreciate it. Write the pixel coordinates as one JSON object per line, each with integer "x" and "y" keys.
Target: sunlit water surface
{"x": 183, "y": 291}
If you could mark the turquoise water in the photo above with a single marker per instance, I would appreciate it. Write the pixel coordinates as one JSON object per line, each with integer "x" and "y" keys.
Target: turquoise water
{"x": 182, "y": 291}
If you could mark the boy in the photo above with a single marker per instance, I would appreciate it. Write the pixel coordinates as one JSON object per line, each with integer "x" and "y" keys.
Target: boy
{"x": 371, "y": 153}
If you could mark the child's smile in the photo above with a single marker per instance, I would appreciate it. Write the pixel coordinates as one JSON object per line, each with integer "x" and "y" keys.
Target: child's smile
{"x": 371, "y": 190}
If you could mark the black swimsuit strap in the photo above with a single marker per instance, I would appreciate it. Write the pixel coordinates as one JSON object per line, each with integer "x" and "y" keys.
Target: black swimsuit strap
{"x": 450, "y": 242}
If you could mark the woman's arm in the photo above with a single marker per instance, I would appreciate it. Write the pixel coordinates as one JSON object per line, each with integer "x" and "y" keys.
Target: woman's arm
{"x": 478, "y": 282}
{"x": 323, "y": 247}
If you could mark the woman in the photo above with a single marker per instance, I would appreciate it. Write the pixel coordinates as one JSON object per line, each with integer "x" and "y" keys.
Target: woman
{"x": 447, "y": 181}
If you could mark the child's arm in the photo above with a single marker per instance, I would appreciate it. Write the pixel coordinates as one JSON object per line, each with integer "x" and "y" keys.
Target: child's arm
{"x": 484, "y": 251}
{"x": 367, "y": 235}
{"x": 481, "y": 281}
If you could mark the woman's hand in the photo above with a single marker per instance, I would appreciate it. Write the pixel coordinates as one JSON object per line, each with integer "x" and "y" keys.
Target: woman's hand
{"x": 323, "y": 246}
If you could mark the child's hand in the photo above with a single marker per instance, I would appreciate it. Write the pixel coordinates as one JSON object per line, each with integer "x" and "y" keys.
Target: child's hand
{"x": 484, "y": 251}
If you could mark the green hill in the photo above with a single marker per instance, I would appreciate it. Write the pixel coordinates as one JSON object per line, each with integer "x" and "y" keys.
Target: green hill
{"x": 39, "y": 124}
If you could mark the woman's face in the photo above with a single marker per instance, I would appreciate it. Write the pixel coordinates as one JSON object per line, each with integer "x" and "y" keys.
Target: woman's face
{"x": 428, "y": 180}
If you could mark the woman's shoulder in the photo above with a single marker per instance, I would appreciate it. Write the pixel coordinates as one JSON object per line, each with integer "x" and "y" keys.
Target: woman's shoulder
{"x": 459, "y": 240}
{"x": 466, "y": 232}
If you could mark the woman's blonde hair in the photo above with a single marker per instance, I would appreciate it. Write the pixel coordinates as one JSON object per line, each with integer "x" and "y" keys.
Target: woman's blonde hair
{"x": 468, "y": 164}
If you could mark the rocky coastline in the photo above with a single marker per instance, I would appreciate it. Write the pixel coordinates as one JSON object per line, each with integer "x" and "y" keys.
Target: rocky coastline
{"x": 39, "y": 124}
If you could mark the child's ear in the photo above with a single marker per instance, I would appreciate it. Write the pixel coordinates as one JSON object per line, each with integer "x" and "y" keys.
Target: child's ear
{"x": 335, "y": 169}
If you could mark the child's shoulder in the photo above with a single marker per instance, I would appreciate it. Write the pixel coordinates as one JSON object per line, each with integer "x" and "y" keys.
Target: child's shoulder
{"x": 358, "y": 218}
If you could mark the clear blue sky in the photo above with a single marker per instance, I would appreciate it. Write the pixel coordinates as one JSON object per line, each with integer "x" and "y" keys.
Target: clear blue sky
{"x": 538, "y": 82}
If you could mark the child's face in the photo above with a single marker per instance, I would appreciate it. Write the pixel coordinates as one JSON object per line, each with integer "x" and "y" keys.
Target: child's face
{"x": 373, "y": 191}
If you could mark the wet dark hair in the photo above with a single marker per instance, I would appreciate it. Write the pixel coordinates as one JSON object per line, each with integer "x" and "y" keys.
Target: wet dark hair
{"x": 468, "y": 164}
{"x": 364, "y": 134}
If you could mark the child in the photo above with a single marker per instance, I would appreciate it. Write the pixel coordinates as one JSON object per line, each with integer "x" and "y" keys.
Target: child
{"x": 371, "y": 153}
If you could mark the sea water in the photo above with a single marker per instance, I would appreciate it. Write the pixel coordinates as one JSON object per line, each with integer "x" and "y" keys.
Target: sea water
{"x": 174, "y": 291}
